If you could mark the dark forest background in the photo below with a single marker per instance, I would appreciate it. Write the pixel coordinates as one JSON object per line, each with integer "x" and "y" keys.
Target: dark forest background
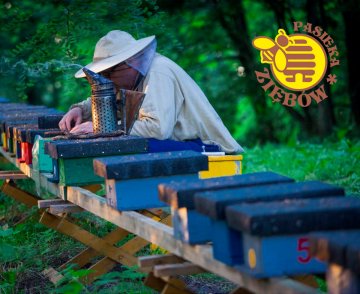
{"x": 44, "y": 42}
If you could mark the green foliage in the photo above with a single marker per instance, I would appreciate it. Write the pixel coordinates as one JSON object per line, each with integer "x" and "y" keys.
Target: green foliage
{"x": 7, "y": 281}
{"x": 39, "y": 60}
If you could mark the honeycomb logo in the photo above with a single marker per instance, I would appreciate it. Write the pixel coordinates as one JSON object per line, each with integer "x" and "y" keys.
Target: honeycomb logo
{"x": 298, "y": 63}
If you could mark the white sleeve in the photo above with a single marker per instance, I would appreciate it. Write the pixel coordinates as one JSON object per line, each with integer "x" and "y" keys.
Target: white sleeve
{"x": 157, "y": 115}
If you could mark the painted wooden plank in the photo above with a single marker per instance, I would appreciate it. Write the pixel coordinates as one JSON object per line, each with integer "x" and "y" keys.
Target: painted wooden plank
{"x": 340, "y": 247}
{"x": 23, "y": 116}
{"x": 138, "y": 193}
{"x": 4, "y": 100}
{"x": 150, "y": 165}
{"x": 227, "y": 243}
{"x": 77, "y": 172}
{"x": 3, "y": 140}
{"x": 279, "y": 255}
{"x": 41, "y": 161}
{"x": 18, "y": 116}
{"x": 96, "y": 147}
{"x": 295, "y": 216}
{"x": 213, "y": 204}
{"x": 162, "y": 235}
{"x": 10, "y": 146}
{"x": 11, "y": 138}
{"x": 18, "y": 151}
{"x": 20, "y": 131}
{"x": 191, "y": 226}
{"x": 16, "y": 122}
{"x": 14, "y": 107}
{"x": 45, "y": 133}
{"x": 181, "y": 193}
{"x": 55, "y": 175}
{"x": 22, "y": 157}
{"x": 28, "y": 153}
{"x": 49, "y": 121}
{"x": 41, "y": 180}
{"x": 222, "y": 165}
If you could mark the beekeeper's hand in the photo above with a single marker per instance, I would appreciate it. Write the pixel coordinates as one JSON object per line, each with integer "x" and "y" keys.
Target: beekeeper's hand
{"x": 71, "y": 119}
{"x": 84, "y": 128}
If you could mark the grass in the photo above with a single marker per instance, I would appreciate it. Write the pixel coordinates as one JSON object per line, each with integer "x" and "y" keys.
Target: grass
{"x": 335, "y": 163}
{"x": 27, "y": 248}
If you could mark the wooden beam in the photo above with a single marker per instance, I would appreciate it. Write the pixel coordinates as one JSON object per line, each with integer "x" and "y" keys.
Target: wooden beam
{"x": 106, "y": 264}
{"x": 307, "y": 279}
{"x": 12, "y": 175}
{"x": 64, "y": 208}
{"x": 101, "y": 267}
{"x": 241, "y": 290}
{"x": 165, "y": 286}
{"x": 92, "y": 188}
{"x": 104, "y": 248}
{"x": 153, "y": 282}
{"x": 53, "y": 275}
{"x": 87, "y": 254}
{"x": 152, "y": 260}
{"x": 48, "y": 202}
{"x": 171, "y": 289}
{"x": 40, "y": 179}
{"x": 158, "y": 212}
{"x": 162, "y": 235}
{"x": 174, "y": 286}
{"x": 9, "y": 188}
{"x": 186, "y": 268}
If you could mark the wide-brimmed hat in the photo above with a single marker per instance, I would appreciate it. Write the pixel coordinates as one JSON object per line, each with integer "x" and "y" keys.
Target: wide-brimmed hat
{"x": 115, "y": 47}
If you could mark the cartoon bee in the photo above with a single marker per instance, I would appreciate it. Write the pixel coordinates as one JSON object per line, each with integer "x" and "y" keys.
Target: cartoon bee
{"x": 287, "y": 55}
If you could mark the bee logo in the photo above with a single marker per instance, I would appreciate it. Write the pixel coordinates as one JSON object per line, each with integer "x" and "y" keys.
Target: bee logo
{"x": 297, "y": 61}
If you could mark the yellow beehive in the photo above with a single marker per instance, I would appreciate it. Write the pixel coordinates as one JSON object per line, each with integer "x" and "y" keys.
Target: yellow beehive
{"x": 4, "y": 140}
{"x": 222, "y": 165}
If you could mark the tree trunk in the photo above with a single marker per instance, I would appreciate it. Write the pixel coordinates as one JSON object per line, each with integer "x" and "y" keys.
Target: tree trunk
{"x": 352, "y": 24}
{"x": 324, "y": 119}
{"x": 231, "y": 16}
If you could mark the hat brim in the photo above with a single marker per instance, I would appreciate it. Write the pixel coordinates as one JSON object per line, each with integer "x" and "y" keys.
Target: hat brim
{"x": 98, "y": 66}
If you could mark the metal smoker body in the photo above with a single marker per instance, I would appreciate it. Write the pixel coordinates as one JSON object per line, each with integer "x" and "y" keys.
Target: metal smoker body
{"x": 103, "y": 103}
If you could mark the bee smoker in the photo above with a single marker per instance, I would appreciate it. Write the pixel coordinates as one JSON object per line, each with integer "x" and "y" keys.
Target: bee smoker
{"x": 103, "y": 103}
